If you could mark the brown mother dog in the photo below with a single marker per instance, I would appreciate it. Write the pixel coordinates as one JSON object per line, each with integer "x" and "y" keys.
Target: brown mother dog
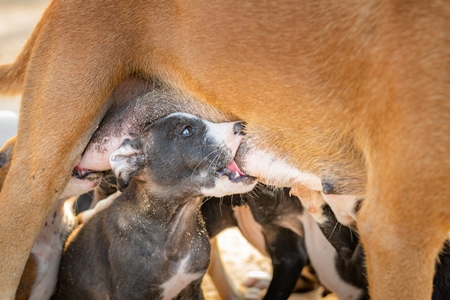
{"x": 351, "y": 94}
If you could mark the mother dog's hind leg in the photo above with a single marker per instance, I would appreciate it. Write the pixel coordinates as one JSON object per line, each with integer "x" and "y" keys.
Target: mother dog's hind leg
{"x": 403, "y": 222}
{"x": 50, "y": 139}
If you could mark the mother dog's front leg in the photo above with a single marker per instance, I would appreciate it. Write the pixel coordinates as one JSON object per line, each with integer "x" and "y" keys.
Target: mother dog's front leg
{"x": 49, "y": 142}
{"x": 61, "y": 106}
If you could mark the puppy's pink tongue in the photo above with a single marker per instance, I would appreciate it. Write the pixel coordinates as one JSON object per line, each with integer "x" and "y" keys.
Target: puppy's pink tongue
{"x": 233, "y": 167}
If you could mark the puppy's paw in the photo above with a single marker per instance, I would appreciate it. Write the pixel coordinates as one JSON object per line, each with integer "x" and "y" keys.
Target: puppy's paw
{"x": 101, "y": 205}
{"x": 256, "y": 283}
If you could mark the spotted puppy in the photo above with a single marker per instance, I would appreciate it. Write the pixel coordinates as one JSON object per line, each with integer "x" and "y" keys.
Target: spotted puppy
{"x": 277, "y": 224}
{"x": 262, "y": 217}
{"x": 349, "y": 253}
{"x": 150, "y": 243}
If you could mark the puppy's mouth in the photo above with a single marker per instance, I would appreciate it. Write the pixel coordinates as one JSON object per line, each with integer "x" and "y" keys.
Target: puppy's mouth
{"x": 235, "y": 174}
{"x": 86, "y": 174}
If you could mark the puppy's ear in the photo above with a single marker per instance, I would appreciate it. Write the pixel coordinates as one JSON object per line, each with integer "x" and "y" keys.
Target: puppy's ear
{"x": 126, "y": 162}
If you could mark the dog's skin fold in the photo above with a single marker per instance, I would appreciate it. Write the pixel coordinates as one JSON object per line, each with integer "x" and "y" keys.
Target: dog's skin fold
{"x": 354, "y": 92}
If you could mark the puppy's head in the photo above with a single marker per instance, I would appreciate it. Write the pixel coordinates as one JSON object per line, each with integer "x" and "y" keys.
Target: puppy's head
{"x": 184, "y": 153}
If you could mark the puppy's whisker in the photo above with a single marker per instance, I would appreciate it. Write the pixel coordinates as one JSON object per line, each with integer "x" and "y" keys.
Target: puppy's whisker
{"x": 202, "y": 146}
{"x": 76, "y": 207}
{"x": 212, "y": 162}
{"x": 207, "y": 199}
{"x": 217, "y": 158}
{"x": 252, "y": 195}
{"x": 243, "y": 201}
{"x": 253, "y": 200}
{"x": 212, "y": 152}
{"x": 257, "y": 191}
{"x": 331, "y": 234}
{"x": 351, "y": 235}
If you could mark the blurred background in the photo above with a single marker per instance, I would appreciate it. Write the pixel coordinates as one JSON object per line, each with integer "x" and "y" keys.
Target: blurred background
{"x": 17, "y": 20}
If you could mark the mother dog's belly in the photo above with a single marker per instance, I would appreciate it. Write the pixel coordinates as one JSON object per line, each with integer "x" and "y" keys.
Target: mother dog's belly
{"x": 96, "y": 155}
{"x": 273, "y": 170}
{"x": 343, "y": 206}
{"x": 132, "y": 113}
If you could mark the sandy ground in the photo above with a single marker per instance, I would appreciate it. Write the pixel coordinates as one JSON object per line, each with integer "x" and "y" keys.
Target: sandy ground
{"x": 17, "y": 19}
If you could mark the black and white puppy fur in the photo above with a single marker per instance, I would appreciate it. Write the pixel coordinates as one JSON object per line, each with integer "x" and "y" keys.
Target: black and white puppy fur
{"x": 150, "y": 243}
{"x": 285, "y": 247}
{"x": 349, "y": 256}
{"x": 277, "y": 225}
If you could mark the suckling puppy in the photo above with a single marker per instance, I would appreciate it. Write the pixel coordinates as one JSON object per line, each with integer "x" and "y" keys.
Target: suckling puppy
{"x": 278, "y": 225}
{"x": 349, "y": 253}
{"x": 151, "y": 241}
{"x": 267, "y": 233}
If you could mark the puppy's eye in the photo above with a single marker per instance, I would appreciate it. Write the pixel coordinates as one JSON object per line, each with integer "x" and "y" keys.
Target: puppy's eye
{"x": 187, "y": 131}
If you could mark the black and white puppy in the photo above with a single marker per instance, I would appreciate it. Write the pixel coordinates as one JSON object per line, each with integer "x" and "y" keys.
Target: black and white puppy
{"x": 349, "y": 253}
{"x": 151, "y": 243}
{"x": 262, "y": 217}
{"x": 278, "y": 225}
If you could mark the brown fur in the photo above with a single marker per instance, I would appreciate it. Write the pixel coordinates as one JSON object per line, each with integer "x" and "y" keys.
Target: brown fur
{"x": 356, "y": 91}
{"x": 30, "y": 271}
{"x": 28, "y": 279}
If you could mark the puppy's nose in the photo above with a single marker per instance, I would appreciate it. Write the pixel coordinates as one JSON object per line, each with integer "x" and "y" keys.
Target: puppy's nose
{"x": 238, "y": 128}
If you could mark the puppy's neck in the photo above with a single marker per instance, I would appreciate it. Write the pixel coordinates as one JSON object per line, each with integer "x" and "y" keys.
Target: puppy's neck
{"x": 171, "y": 217}
{"x": 163, "y": 207}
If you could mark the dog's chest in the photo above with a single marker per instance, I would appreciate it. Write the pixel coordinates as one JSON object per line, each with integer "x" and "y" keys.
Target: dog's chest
{"x": 185, "y": 253}
{"x": 182, "y": 277}
{"x": 323, "y": 259}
